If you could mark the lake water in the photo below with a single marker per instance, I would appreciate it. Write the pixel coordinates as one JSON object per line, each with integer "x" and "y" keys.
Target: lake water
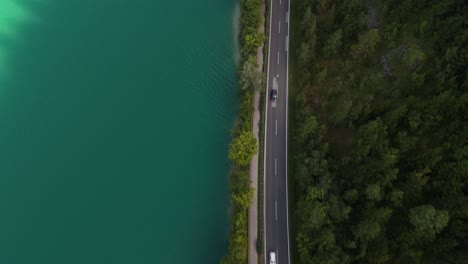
{"x": 115, "y": 118}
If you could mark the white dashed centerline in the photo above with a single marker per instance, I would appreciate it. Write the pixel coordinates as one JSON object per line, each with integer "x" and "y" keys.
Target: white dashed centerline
{"x": 275, "y": 166}
{"x": 276, "y": 210}
{"x": 276, "y": 127}
{"x": 278, "y": 57}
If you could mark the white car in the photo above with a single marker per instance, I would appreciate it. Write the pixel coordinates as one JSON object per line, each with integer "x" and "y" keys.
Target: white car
{"x": 272, "y": 257}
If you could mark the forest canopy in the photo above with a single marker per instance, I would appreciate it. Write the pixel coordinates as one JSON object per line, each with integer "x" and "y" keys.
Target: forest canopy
{"x": 380, "y": 142}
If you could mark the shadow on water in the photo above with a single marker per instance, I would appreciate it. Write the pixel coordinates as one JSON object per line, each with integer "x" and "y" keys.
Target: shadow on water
{"x": 93, "y": 124}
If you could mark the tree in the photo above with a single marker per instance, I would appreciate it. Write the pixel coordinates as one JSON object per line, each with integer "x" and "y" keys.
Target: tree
{"x": 250, "y": 76}
{"x": 308, "y": 23}
{"x": 396, "y": 198}
{"x": 243, "y": 200}
{"x": 366, "y": 45}
{"x": 306, "y": 54}
{"x": 242, "y": 148}
{"x": 333, "y": 44}
{"x": 306, "y": 17}
{"x": 366, "y": 230}
{"x": 307, "y": 48}
{"x": 427, "y": 221}
{"x": 307, "y": 128}
{"x": 371, "y": 139}
{"x": 253, "y": 41}
{"x": 413, "y": 57}
{"x": 373, "y": 192}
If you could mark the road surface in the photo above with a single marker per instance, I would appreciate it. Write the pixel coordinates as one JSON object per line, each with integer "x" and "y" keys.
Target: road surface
{"x": 276, "y": 218}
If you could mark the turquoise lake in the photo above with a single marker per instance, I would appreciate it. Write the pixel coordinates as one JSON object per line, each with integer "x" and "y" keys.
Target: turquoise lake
{"x": 115, "y": 118}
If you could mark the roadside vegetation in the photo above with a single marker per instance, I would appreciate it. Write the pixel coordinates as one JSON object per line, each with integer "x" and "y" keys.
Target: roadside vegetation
{"x": 380, "y": 162}
{"x": 244, "y": 145}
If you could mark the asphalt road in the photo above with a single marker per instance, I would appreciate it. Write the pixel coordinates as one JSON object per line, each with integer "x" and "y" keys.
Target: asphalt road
{"x": 276, "y": 218}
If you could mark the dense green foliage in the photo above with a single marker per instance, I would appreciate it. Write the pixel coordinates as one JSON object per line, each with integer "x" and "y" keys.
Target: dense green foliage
{"x": 244, "y": 145}
{"x": 381, "y": 158}
{"x": 242, "y": 148}
{"x": 250, "y": 37}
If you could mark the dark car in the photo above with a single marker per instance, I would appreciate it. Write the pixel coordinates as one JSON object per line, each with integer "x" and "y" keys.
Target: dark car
{"x": 274, "y": 95}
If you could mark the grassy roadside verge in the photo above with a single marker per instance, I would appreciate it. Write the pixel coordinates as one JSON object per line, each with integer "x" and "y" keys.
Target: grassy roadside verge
{"x": 296, "y": 85}
{"x": 244, "y": 145}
